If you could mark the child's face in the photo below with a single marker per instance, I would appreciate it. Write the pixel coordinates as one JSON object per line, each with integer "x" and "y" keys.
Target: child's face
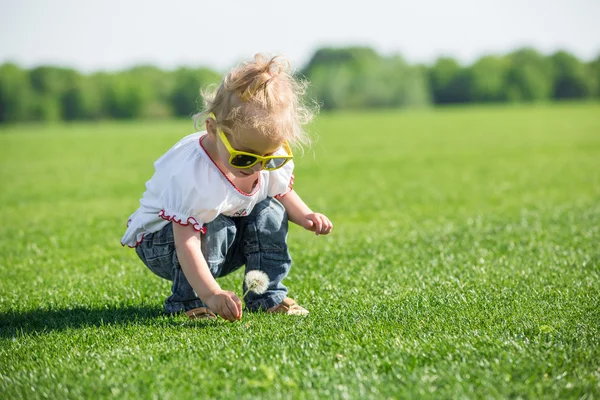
{"x": 251, "y": 141}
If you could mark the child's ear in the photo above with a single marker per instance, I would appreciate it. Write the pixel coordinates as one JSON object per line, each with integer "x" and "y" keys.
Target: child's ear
{"x": 211, "y": 126}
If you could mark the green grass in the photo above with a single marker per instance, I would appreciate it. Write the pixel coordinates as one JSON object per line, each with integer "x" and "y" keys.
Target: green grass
{"x": 464, "y": 263}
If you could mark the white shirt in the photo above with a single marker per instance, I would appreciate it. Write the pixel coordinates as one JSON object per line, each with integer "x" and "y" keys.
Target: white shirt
{"x": 188, "y": 188}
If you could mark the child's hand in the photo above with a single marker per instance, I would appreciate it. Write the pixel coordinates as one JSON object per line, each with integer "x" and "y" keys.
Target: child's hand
{"x": 317, "y": 223}
{"x": 226, "y": 304}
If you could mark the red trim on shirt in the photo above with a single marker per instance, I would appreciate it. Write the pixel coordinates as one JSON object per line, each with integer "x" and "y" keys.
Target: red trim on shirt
{"x": 279, "y": 196}
{"x": 191, "y": 220}
{"x": 226, "y": 177}
{"x": 173, "y": 218}
{"x": 137, "y": 243}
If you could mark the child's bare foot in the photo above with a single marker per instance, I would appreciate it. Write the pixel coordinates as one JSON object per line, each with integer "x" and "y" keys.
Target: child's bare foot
{"x": 288, "y": 306}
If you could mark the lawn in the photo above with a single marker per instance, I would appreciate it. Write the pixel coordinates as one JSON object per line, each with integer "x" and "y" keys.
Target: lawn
{"x": 464, "y": 263}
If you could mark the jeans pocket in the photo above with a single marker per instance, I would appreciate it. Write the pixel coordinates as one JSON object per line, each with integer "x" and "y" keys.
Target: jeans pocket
{"x": 158, "y": 258}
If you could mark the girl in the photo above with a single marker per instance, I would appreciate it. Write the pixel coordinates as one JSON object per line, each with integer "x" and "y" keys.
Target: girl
{"x": 221, "y": 198}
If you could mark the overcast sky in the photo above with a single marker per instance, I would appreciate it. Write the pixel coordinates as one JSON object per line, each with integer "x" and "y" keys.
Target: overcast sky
{"x": 95, "y": 35}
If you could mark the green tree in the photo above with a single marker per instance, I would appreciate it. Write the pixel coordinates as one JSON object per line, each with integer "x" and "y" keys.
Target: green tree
{"x": 345, "y": 77}
{"x": 100, "y": 85}
{"x": 51, "y": 85}
{"x": 442, "y": 76}
{"x": 185, "y": 98}
{"x": 330, "y": 85}
{"x": 407, "y": 86}
{"x": 16, "y": 94}
{"x": 487, "y": 78}
{"x": 365, "y": 87}
{"x": 461, "y": 86}
{"x": 357, "y": 77}
{"x": 81, "y": 99}
{"x": 570, "y": 81}
{"x": 594, "y": 76}
{"x": 449, "y": 82}
{"x": 126, "y": 96}
{"x": 329, "y": 56}
{"x": 159, "y": 88}
{"x": 530, "y": 76}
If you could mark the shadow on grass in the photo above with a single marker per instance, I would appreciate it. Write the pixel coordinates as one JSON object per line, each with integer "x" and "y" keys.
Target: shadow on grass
{"x": 13, "y": 323}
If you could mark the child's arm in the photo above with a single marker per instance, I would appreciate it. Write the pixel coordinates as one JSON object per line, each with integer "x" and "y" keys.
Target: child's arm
{"x": 299, "y": 213}
{"x": 222, "y": 302}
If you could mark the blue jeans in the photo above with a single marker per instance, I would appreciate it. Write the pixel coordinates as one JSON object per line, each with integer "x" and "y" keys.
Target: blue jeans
{"x": 257, "y": 241}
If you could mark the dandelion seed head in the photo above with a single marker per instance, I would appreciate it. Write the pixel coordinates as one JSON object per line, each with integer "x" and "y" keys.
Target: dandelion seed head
{"x": 257, "y": 282}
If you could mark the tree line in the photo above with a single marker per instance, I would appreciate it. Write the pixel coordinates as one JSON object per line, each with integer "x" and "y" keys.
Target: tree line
{"x": 341, "y": 78}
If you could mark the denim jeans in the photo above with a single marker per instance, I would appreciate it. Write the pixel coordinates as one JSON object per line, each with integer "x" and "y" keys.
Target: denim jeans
{"x": 257, "y": 241}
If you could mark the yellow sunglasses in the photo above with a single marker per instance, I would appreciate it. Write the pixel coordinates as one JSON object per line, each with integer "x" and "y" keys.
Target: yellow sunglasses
{"x": 242, "y": 159}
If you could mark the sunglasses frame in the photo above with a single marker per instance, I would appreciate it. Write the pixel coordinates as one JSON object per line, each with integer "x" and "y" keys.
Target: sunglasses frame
{"x": 262, "y": 159}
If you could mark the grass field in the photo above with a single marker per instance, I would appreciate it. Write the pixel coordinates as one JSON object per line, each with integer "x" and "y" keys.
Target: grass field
{"x": 464, "y": 263}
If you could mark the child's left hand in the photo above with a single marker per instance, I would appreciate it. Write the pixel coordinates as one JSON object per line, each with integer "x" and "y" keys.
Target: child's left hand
{"x": 317, "y": 223}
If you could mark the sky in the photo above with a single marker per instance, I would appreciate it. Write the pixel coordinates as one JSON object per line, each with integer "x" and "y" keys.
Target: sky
{"x": 92, "y": 35}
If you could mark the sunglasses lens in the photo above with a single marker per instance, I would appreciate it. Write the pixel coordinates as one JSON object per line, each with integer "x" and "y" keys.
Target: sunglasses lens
{"x": 243, "y": 161}
{"x": 275, "y": 163}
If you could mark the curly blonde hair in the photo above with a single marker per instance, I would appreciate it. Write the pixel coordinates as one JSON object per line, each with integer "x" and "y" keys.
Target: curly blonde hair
{"x": 261, "y": 94}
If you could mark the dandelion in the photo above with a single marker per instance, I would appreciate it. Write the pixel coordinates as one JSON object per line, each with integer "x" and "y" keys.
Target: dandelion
{"x": 257, "y": 282}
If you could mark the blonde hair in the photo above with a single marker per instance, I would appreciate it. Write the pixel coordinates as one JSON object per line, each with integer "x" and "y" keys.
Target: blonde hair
{"x": 261, "y": 94}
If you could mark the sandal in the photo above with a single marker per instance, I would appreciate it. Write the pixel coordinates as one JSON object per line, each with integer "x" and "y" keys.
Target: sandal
{"x": 200, "y": 313}
{"x": 288, "y": 306}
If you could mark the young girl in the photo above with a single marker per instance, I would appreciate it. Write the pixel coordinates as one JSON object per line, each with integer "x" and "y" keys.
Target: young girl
{"x": 221, "y": 198}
